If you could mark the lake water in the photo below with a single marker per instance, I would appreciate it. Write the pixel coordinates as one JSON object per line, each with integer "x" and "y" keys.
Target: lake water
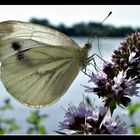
{"x": 74, "y": 94}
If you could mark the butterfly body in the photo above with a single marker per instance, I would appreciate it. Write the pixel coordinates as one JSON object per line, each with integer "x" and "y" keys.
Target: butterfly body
{"x": 38, "y": 64}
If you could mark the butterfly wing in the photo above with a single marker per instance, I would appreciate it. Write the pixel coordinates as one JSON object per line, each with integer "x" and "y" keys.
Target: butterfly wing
{"x": 34, "y": 71}
{"x": 13, "y": 31}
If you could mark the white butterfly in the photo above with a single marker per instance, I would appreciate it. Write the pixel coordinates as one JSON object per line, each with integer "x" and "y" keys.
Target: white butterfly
{"x": 38, "y": 64}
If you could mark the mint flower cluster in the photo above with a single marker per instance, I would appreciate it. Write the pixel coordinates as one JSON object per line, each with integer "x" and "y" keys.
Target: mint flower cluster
{"x": 89, "y": 120}
{"x": 117, "y": 81}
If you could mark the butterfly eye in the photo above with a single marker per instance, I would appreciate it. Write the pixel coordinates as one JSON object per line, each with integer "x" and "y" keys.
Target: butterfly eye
{"x": 87, "y": 46}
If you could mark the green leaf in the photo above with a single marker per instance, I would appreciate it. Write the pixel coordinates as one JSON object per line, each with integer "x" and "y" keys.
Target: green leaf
{"x": 42, "y": 130}
{"x": 112, "y": 106}
{"x": 35, "y": 119}
{"x": 14, "y": 127}
{"x": 136, "y": 130}
{"x": 133, "y": 108}
{"x": 3, "y": 131}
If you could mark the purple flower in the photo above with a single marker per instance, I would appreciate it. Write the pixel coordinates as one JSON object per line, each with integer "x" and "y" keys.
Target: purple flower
{"x": 130, "y": 87}
{"x": 95, "y": 78}
{"x": 113, "y": 90}
{"x": 118, "y": 80}
{"x": 75, "y": 115}
{"x": 110, "y": 69}
{"x": 123, "y": 85}
{"x": 127, "y": 56}
{"x": 101, "y": 84}
{"x": 89, "y": 120}
{"x": 131, "y": 57}
{"x": 115, "y": 127}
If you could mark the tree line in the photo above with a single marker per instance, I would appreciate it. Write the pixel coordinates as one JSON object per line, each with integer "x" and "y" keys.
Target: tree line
{"x": 85, "y": 29}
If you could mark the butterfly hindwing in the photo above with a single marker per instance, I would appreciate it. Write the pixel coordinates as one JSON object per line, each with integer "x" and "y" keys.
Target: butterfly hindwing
{"x": 39, "y": 78}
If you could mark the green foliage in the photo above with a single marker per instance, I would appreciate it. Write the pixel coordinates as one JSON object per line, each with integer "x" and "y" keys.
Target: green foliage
{"x": 132, "y": 109}
{"x": 136, "y": 130}
{"x": 12, "y": 126}
{"x": 7, "y": 125}
{"x": 44, "y": 22}
{"x": 85, "y": 29}
{"x": 112, "y": 106}
{"x": 35, "y": 119}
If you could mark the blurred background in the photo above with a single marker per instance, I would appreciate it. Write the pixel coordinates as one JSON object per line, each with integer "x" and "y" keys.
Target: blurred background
{"x": 77, "y": 21}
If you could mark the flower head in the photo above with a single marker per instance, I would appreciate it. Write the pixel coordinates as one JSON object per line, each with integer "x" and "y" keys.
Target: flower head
{"x": 118, "y": 80}
{"x": 127, "y": 56}
{"x": 89, "y": 120}
{"x": 115, "y": 127}
{"x": 98, "y": 77}
{"x": 113, "y": 90}
{"x": 132, "y": 57}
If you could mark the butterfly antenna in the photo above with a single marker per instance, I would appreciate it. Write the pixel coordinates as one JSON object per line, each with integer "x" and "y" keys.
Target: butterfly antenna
{"x": 106, "y": 17}
{"x": 91, "y": 36}
{"x": 90, "y": 40}
{"x": 98, "y": 36}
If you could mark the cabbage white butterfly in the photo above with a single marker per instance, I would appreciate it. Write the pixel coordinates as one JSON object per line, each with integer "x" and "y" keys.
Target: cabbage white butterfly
{"x": 38, "y": 64}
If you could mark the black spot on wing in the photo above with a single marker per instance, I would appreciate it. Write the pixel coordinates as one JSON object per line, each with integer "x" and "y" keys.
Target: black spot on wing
{"x": 20, "y": 55}
{"x": 16, "y": 46}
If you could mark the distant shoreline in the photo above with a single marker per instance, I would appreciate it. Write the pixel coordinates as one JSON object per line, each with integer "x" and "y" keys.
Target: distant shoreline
{"x": 83, "y": 29}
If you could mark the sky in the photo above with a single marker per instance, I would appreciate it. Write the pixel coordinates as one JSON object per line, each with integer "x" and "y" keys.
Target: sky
{"x": 122, "y": 15}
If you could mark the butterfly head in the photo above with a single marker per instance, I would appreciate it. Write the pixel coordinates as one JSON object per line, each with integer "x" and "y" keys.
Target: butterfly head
{"x": 88, "y": 46}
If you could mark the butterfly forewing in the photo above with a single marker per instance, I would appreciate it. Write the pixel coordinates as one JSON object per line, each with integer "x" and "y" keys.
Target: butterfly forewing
{"x": 38, "y": 63}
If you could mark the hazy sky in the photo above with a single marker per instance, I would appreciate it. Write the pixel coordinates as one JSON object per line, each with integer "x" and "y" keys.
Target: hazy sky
{"x": 122, "y": 14}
